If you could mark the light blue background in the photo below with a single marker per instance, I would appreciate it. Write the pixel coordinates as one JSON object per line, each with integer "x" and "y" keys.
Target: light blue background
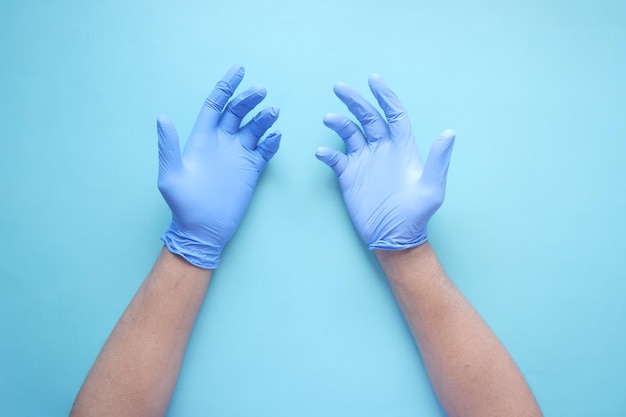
{"x": 299, "y": 320}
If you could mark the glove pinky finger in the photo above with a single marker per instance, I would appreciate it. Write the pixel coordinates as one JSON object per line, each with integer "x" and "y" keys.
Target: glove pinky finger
{"x": 333, "y": 158}
{"x": 268, "y": 148}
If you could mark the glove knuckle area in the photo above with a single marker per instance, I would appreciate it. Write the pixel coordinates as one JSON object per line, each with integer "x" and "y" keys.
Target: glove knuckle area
{"x": 219, "y": 96}
{"x": 210, "y": 103}
{"x": 224, "y": 87}
{"x": 368, "y": 119}
{"x": 396, "y": 116}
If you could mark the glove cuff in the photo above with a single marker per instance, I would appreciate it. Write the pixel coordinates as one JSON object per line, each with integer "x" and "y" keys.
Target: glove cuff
{"x": 201, "y": 254}
{"x": 400, "y": 244}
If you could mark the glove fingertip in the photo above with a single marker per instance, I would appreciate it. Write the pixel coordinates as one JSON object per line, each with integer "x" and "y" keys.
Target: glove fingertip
{"x": 374, "y": 79}
{"x": 340, "y": 88}
{"x": 273, "y": 139}
{"x": 445, "y": 143}
{"x": 165, "y": 127}
{"x": 259, "y": 90}
{"x": 323, "y": 152}
{"x": 333, "y": 158}
{"x": 162, "y": 120}
{"x": 436, "y": 167}
{"x": 447, "y": 134}
{"x": 270, "y": 145}
{"x": 331, "y": 120}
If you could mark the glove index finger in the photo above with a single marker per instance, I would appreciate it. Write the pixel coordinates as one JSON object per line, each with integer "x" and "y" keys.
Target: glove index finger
{"x": 217, "y": 99}
{"x": 387, "y": 99}
{"x": 373, "y": 124}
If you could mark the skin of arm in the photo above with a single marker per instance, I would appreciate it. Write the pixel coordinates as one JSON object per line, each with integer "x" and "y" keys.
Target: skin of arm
{"x": 390, "y": 195}
{"x": 136, "y": 370}
{"x": 208, "y": 188}
{"x": 470, "y": 370}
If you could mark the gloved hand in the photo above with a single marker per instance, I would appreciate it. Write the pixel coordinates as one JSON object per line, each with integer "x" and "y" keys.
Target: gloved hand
{"x": 209, "y": 186}
{"x": 390, "y": 195}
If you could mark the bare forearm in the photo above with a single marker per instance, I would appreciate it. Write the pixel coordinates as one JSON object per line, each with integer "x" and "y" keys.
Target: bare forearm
{"x": 471, "y": 371}
{"x": 136, "y": 371}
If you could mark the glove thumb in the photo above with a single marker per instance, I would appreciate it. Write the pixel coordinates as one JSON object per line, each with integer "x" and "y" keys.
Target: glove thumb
{"x": 169, "y": 148}
{"x": 435, "y": 171}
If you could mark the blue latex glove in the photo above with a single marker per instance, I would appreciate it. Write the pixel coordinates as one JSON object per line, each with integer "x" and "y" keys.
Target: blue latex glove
{"x": 209, "y": 186}
{"x": 390, "y": 195}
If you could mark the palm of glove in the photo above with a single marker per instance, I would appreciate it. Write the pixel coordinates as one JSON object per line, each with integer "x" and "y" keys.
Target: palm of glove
{"x": 219, "y": 179}
{"x": 383, "y": 196}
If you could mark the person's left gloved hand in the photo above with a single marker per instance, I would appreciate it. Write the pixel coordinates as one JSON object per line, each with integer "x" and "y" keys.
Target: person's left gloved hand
{"x": 209, "y": 186}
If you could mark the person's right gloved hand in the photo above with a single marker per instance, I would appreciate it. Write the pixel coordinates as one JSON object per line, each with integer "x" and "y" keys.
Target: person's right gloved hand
{"x": 390, "y": 195}
{"x": 209, "y": 186}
